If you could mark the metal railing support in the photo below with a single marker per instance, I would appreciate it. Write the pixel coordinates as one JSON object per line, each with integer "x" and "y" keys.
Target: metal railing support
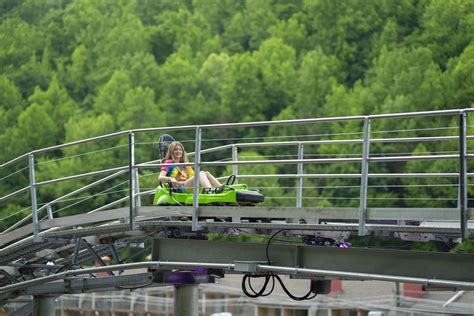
{"x": 136, "y": 175}
{"x": 299, "y": 179}
{"x": 364, "y": 178}
{"x": 49, "y": 211}
{"x": 235, "y": 167}
{"x": 34, "y": 202}
{"x": 463, "y": 176}
{"x": 197, "y": 162}
{"x": 131, "y": 167}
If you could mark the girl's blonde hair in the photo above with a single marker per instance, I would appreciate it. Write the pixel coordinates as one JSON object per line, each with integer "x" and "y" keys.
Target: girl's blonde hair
{"x": 171, "y": 148}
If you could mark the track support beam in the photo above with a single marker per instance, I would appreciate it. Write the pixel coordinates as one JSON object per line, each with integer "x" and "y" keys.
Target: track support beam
{"x": 186, "y": 299}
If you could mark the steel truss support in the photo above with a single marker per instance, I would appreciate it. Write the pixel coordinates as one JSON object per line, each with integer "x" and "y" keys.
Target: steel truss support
{"x": 77, "y": 247}
{"x": 96, "y": 256}
{"x": 414, "y": 264}
{"x": 114, "y": 252}
{"x": 8, "y": 276}
{"x": 81, "y": 284}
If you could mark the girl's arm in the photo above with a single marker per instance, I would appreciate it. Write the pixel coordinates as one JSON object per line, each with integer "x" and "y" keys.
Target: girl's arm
{"x": 163, "y": 178}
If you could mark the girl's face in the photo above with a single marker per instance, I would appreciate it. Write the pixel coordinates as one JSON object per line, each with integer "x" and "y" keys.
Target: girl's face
{"x": 177, "y": 152}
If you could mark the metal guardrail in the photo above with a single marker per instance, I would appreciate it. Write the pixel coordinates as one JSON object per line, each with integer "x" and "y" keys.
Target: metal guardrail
{"x": 364, "y": 160}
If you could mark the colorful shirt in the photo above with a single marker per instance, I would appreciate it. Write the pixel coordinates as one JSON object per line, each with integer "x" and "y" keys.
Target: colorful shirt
{"x": 181, "y": 174}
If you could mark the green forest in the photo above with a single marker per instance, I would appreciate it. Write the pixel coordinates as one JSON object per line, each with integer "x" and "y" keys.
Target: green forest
{"x": 73, "y": 69}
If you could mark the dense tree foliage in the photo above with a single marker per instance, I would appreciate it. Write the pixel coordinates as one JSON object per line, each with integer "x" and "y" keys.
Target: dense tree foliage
{"x": 77, "y": 69}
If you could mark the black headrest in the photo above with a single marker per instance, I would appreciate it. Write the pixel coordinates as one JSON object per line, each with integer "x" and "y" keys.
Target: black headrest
{"x": 163, "y": 143}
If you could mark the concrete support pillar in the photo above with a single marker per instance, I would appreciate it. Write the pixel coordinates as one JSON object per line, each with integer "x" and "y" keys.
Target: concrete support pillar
{"x": 44, "y": 305}
{"x": 186, "y": 299}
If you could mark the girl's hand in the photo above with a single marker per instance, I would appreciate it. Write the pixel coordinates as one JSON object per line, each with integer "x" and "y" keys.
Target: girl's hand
{"x": 173, "y": 181}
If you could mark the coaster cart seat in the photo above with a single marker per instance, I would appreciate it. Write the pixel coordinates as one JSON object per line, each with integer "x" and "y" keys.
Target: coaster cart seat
{"x": 232, "y": 194}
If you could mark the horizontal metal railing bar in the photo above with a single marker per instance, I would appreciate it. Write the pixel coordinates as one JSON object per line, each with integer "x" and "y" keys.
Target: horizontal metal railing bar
{"x": 304, "y": 161}
{"x": 336, "y": 119}
{"x": 262, "y": 123}
{"x": 250, "y": 162}
{"x": 326, "y": 142}
{"x": 353, "y": 175}
{"x": 18, "y": 192}
{"x": 324, "y": 160}
{"x": 417, "y": 139}
{"x": 82, "y": 189}
{"x": 82, "y": 141}
{"x": 334, "y": 142}
{"x": 289, "y": 161}
{"x": 408, "y": 158}
{"x": 146, "y": 165}
{"x": 28, "y": 217}
{"x": 328, "y": 160}
{"x": 61, "y": 197}
{"x": 82, "y": 175}
{"x": 17, "y": 224}
{"x": 164, "y": 129}
{"x": 106, "y": 206}
{"x": 417, "y": 114}
{"x": 149, "y": 192}
{"x": 14, "y": 160}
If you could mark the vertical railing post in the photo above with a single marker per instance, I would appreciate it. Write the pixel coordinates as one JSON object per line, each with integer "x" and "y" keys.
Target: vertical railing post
{"x": 136, "y": 175}
{"x": 235, "y": 168}
{"x": 299, "y": 179}
{"x": 197, "y": 162}
{"x": 34, "y": 202}
{"x": 131, "y": 178}
{"x": 463, "y": 176}
{"x": 49, "y": 211}
{"x": 364, "y": 176}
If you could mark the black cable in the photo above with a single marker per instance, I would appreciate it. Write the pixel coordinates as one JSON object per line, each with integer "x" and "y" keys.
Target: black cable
{"x": 266, "y": 276}
{"x": 296, "y": 298}
{"x": 268, "y": 244}
{"x": 273, "y": 286}
{"x": 247, "y": 277}
{"x": 244, "y": 288}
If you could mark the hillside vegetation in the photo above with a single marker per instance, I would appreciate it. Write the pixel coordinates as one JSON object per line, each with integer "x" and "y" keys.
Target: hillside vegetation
{"x": 76, "y": 69}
